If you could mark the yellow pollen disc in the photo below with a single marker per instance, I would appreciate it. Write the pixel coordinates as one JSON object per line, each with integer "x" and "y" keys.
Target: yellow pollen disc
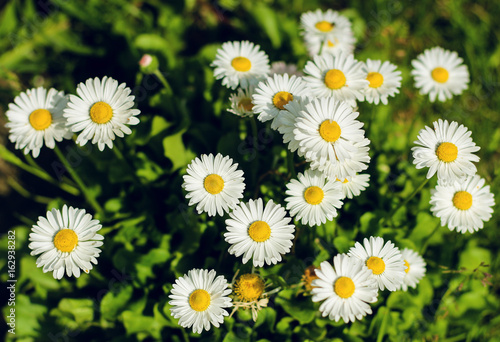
{"x": 314, "y": 195}
{"x": 259, "y": 231}
{"x": 40, "y": 119}
{"x": 324, "y": 26}
{"x": 407, "y": 266}
{"x": 241, "y": 64}
{"x": 376, "y": 264}
{"x": 447, "y": 152}
{"x": 462, "y": 200}
{"x": 199, "y": 300}
{"x": 440, "y": 75}
{"x": 249, "y": 287}
{"x": 281, "y": 99}
{"x": 330, "y": 43}
{"x": 344, "y": 287}
{"x": 246, "y": 104}
{"x": 335, "y": 79}
{"x": 376, "y": 79}
{"x": 213, "y": 183}
{"x": 330, "y": 130}
{"x": 343, "y": 182}
{"x": 65, "y": 240}
{"x": 101, "y": 112}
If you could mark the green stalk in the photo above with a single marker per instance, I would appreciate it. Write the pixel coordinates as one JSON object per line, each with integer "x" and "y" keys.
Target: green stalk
{"x": 408, "y": 199}
{"x": 25, "y": 193}
{"x": 426, "y": 243}
{"x": 163, "y": 81}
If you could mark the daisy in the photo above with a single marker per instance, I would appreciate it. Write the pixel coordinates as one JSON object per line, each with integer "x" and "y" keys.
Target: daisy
{"x": 214, "y": 183}
{"x": 240, "y": 63}
{"x": 447, "y": 150}
{"x": 101, "y": 111}
{"x": 282, "y": 68}
{"x": 312, "y": 198}
{"x": 274, "y": 93}
{"x": 353, "y": 187}
{"x": 249, "y": 293}
{"x": 325, "y": 25}
{"x": 258, "y": 232}
{"x": 339, "y": 76}
{"x": 199, "y": 299}
{"x": 67, "y": 241}
{"x": 464, "y": 205}
{"x": 347, "y": 288}
{"x": 333, "y": 45}
{"x": 440, "y": 73}
{"x": 384, "y": 78}
{"x": 384, "y": 261}
{"x": 241, "y": 102}
{"x": 286, "y": 122}
{"x": 36, "y": 117}
{"x": 415, "y": 268}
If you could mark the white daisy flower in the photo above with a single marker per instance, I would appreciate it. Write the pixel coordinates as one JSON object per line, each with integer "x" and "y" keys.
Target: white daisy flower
{"x": 282, "y": 68}
{"x": 339, "y": 76}
{"x": 240, "y": 63}
{"x": 385, "y": 261}
{"x": 347, "y": 288}
{"x": 333, "y": 45}
{"x": 286, "y": 122}
{"x": 101, "y": 111}
{"x": 36, "y": 117}
{"x": 263, "y": 234}
{"x": 322, "y": 26}
{"x": 214, "y": 183}
{"x": 274, "y": 93}
{"x": 353, "y": 186}
{"x": 198, "y": 300}
{"x": 241, "y": 102}
{"x": 384, "y": 78}
{"x": 464, "y": 205}
{"x": 415, "y": 268}
{"x": 447, "y": 150}
{"x": 312, "y": 198}
{"x": 67, "y": 241}
{"x": 440, "y": 73}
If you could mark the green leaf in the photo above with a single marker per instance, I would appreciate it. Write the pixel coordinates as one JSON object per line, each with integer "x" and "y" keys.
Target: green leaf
{"x": 113, "y": 303}
{"x": 175, "y": 150}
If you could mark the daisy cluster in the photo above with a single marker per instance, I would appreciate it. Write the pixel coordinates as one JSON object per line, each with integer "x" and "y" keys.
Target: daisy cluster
{"x": 100, "y": 111}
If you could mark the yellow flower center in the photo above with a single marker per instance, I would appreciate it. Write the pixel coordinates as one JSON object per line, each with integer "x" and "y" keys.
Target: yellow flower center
{"x": 330, "y": 43}
{"x": 343, "y": 182}
{"x": 281, "y": 99}
{"x": 65, "y": 240}
{"x": 440, "y": 75}
{"x": 376, "y": 79}
{"x": 241, "y": 64}
{"x": 40, "y": 119}
{"x": 324, "y": 26}
{"x": 259, "y": 231}
{"x": 249, "y": 287}
{"x": 199, "y": 300}
{"x": 407, "y": 266}
{"x": 335, "y": 79}
{"x": 344, "y": 287}
{"x": 376, "y": 264}
{"x": 330, "y": 130}
{"x": 101, "y": 112}
{"x": 447, "y": 152}
{"x": 246, "y": 104}
{"x": 462, "y": 200}
{"x": 314, "y": 195}
{"x": 308, "y": 276}
{"x": 213, "y": 183}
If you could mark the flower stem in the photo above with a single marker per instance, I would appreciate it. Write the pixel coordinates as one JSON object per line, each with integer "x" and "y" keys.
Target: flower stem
{"x": 321, "y": 47}
{"x": 163, "y": 81}
{"x": 426, "y": 243}
{"x": 88, "y": 196}
{"x": 405, "y": 202}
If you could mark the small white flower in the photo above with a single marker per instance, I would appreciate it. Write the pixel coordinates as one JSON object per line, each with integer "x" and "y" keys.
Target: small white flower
{"x": 385, "y": 261}
{"x": 198, "y": 300}
{"x": 347, "y": 288}
{"x": 415, "y": 268}
{"x": 464, "y": 205}
{"x": 36, "y": 117}
{"x": 263, "y": 234}
{"x": 324, "y": 26}
{"x": 333, "y": 45}
{"x": 241, "y": 102}
{"x": 384, "y": 78}
{"x": 101, "y": 111}
{"x": 215, "y": 184}
{"x": 312, "y": 198}
{"x": 67, "y": 241}
{"x": 286, "y": 122}
{"x": 440, "y": 73}
{"x": 353, "y": 186}
{"x": 240, "y": 63}
{"x": 447, "y": 150}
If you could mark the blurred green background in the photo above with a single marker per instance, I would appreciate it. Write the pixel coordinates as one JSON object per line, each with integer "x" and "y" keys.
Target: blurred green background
{"x": 152, "y": 236}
